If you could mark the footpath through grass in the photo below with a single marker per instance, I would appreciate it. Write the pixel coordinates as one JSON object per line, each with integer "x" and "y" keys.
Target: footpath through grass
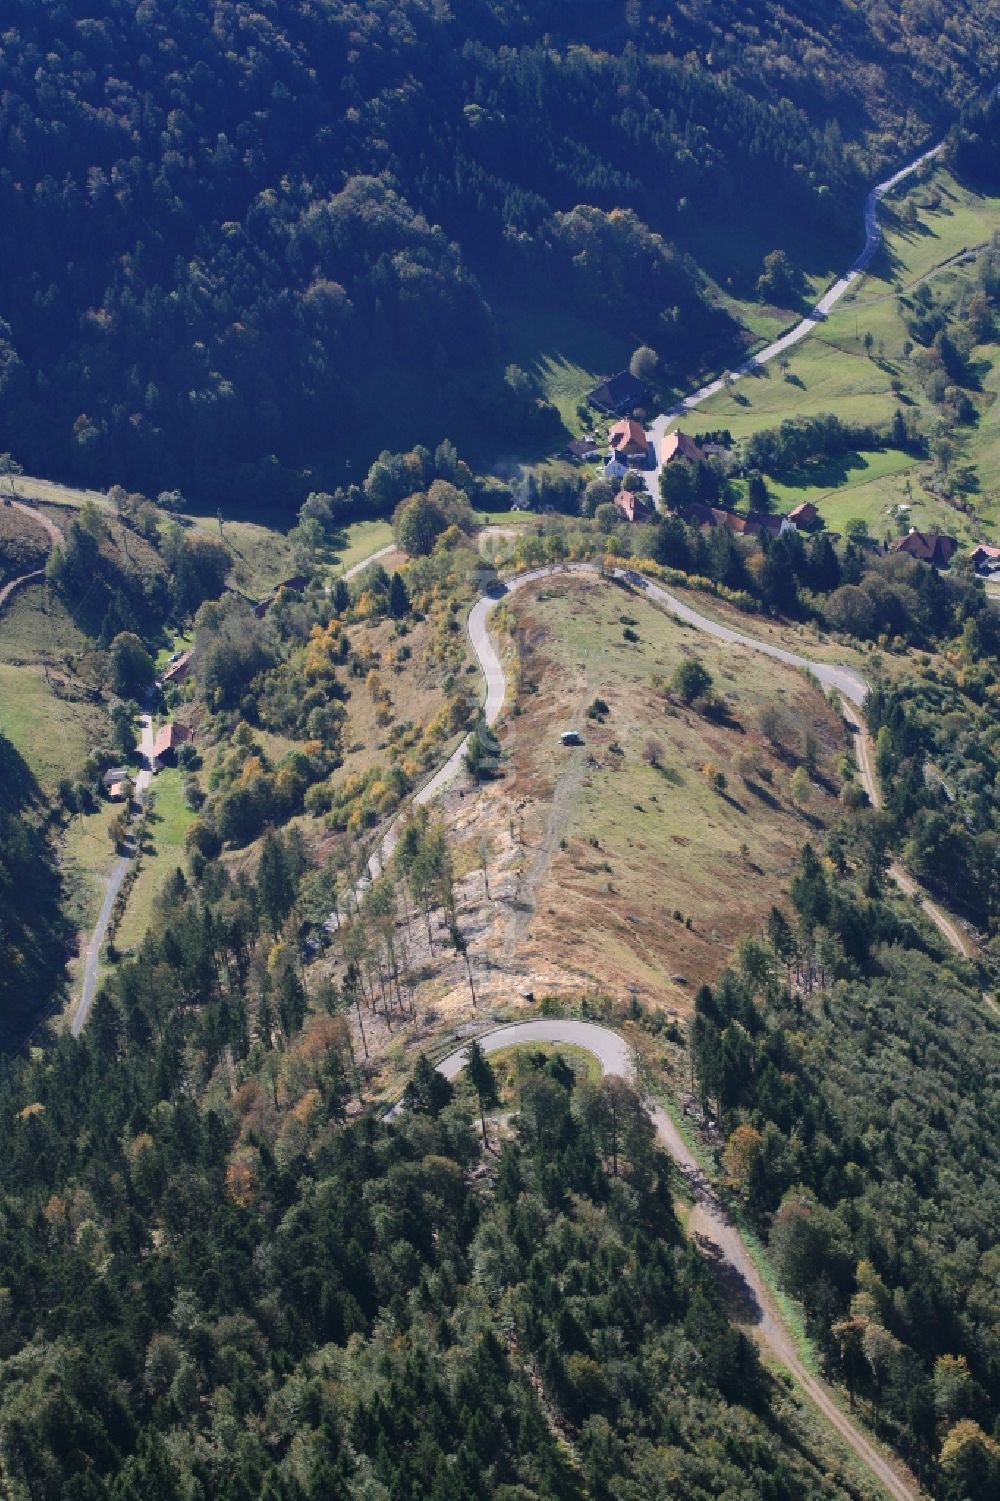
{"x": 362, "y": 539}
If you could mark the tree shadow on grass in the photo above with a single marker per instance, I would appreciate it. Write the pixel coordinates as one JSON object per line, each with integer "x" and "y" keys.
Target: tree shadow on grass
{"x": 761, "y": 793}
{"x": 827, "y": 473}
{"x": 17, "y": 781}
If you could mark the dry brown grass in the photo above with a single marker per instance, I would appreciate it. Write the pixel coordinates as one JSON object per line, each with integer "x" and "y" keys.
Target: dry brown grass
{"x": 595, "y": 848}
{"x": 589, "y": 851}
{"x": 24, "y": 543}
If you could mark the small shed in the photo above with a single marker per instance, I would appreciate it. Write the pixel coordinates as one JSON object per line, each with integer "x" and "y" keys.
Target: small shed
{"x": 570, "y": 737}
{"x": 584, "y": 449}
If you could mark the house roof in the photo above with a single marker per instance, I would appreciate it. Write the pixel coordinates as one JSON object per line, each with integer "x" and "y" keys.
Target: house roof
{"x": 628, "y": 436}
{"x": 750, "y": 525}
{"x": 169, "y": 737}
{"x": 177, "y": 670}
{"x": 614, "y": 468}
{"x": 633, "y": 505}
{"x": 984, "y": 550}
{"x": 697, "y": 514}
{"x": 619, "y": 393}
{"x": 116, "y": 789}
{"x": 581, "y": 448}
{"x": 115, "y": 774}
{"x": 805, "y": 513}
{"x": 929, "y": 547}
{"x": 756, "y": 522}
{"x": 679, "y": 446}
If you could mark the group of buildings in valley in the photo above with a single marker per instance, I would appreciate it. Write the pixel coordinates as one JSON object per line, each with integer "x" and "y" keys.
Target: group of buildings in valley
{"x": 629, "y": 449}
{"x": 118, "y": 780}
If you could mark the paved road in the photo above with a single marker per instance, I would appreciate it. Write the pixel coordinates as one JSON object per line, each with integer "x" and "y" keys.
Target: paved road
{"x": 709, "y": 1224}
{"x": 609, "y": 1048}
{"x": 373, "y": 557}
{"x": 89, "y": 986}
{"x": 844, "y": 679}
{"x": 804, "y": 327}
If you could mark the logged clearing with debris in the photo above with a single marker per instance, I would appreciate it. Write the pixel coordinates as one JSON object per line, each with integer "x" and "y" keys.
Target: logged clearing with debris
{"x": 630, "y": 863}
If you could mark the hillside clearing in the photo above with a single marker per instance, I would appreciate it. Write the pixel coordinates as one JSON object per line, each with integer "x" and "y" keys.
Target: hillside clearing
{"x": 595, "y": 848}
{"x": 46, "y": 709}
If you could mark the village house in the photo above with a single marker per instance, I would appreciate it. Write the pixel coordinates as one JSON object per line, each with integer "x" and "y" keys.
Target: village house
{"x": 581, "y": 450}
{"x": 114, "y": 780}
{"x": 985, "y": 558}
{"x": 168, "y": 738}
{"x": 629, "y": 442}
{"x": 615, "y": 468}
{"x": 177, "y": 670}
{"x": 678, "y": 445}
{"x": 805, "y": 516}
{"x": 756, "y": 523}
{"x": 619, "y": 394}
{"x": 936, "y": 548}
{"x": 633, "y": 505}
{"x": 753, "y": 524}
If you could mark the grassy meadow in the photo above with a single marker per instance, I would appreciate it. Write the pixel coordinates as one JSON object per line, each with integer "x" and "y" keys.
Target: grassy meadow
{"x": 361, "y": 539}
{"x": 830, "y": 371}
{"x": 45, "y": 706}
{"x": 168, "y": 821}
{"x": 613, "y": 838}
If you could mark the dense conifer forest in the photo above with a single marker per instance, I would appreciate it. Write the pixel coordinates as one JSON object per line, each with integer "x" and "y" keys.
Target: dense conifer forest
{"x": 33, "y": 931}
{"x": 879, "y": 1199}
{"x": 241, "y": 1295}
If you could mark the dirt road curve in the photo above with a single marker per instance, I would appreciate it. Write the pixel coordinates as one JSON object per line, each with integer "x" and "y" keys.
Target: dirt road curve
{"x": 710, "y": 1225}
{"x": 949, "y": 930}
{"x": 55, "y": 535}
{"x": 373, "y": 557}
{"x": 12, "y": 586}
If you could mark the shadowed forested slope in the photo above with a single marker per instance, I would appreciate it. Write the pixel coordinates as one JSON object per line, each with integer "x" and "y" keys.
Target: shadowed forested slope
{"x": 224, "y": 228}
{"x": 32, "y": 929}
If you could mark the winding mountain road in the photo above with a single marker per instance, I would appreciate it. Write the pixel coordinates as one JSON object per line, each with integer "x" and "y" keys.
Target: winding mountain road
{"x": 709, "y": 1224}
{"x": 850, "y": 685}
{"x": 805, "y": 326}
